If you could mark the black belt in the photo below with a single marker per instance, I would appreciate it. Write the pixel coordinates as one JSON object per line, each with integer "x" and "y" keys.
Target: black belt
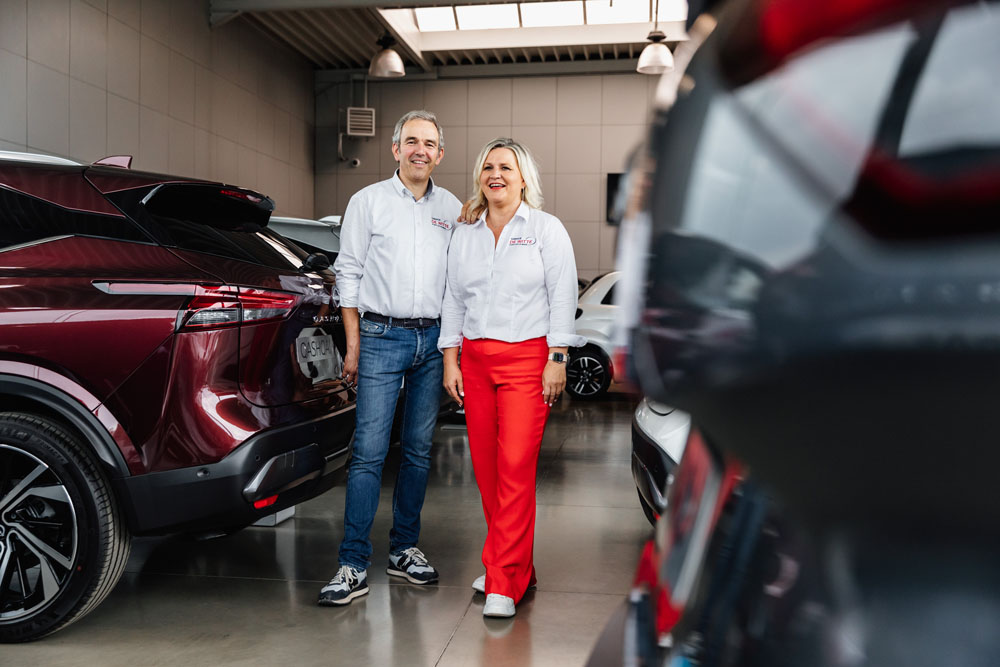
{"x": 404, "y": 322}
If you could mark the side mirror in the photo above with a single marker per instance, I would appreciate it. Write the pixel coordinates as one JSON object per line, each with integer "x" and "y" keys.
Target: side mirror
{"x": 316, "y": 261}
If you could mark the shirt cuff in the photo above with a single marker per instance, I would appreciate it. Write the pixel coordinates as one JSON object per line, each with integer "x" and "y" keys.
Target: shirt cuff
{"x": 565, "y": 340}
{"x": 449, "y": 341}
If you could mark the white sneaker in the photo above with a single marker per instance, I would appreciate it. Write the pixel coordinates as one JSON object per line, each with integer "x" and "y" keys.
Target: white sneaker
{"x": 412, "y": 565}
{"x": 498, "y": 606}
{"x": 349, "y": 583}
{"x": 479, "y": 585}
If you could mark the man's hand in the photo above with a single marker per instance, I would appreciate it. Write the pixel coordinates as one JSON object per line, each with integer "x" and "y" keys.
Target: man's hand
{"x": 553, "y": 382}
{"x": 453, "y": 383}
{"x": 469, "y": 216}
{"x": 350, "y": 373}
{"x": 352, "y": 331}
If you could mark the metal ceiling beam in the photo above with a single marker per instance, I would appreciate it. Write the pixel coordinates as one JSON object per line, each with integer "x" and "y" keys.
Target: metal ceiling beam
{"x": 301, "y": 39}
{"x": 518, "y": 69}
{"x": 344, "y": 39}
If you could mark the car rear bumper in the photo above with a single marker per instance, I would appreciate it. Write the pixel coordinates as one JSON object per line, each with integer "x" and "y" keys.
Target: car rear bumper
{"x": 294, "y": 463}
{"x": 651, "y": 467}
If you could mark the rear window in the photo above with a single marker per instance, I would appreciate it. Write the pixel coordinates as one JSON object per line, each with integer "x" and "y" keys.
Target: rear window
{"x": 210, "y": 219}
{"x": 26, "y": 219}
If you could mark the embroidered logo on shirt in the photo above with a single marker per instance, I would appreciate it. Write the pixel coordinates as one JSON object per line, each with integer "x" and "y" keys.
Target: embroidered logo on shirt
{"x": 522, "y": 240}
{"x": 443, "y": 224}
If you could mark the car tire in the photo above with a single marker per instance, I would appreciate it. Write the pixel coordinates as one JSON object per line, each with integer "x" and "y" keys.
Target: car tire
{"x": 647, "y": 510}
{"x": 588, "y": 373}
{"x": 63, "y": 541}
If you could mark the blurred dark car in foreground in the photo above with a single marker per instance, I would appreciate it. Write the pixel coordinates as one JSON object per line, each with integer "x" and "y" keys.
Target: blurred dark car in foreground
{"x": 167, "y": 363}
{"x": 659, "y": 433}
{"x": 822, "y": 295}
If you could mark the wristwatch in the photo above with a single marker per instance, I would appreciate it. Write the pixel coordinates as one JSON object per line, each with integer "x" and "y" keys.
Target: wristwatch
{"x": 558, "y": 357}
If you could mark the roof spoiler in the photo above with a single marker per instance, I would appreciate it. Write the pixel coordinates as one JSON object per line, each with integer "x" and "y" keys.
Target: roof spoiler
{"x": 122, "y": 161}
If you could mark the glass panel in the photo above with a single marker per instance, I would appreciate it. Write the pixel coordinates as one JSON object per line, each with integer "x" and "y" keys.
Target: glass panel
{"x": 600, "y": 12}
{"x": 547, "y": 14}
{"x": 430, "y": 19}
{"x": 483, "y": 17}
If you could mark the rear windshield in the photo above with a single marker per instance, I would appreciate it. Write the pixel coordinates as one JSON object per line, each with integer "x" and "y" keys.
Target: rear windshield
{"x": 210, "y": 219}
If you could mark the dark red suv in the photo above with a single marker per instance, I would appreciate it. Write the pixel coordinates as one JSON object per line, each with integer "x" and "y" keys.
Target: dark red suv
{"x": 167, "y": 363}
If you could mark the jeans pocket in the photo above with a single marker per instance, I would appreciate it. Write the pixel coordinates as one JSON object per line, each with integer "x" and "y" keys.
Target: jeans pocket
{"x": 373, "y": 329}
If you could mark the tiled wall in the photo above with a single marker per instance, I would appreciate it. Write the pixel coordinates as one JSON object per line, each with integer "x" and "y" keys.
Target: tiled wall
{"x": 579, "y": 128}
{"x": 149, "y": 78}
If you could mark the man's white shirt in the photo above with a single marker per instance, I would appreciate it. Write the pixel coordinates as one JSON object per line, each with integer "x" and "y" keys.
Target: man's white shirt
{"x": 393, "y": 249}
{"x": 525, "y": 287}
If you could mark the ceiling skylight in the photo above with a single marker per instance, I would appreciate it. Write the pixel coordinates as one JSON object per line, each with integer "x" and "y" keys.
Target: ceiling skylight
{"x": 435, "y": 18}
{"x": 602, "y": 12}
{"x": 483, "y": 17}
{"x": 543, "y": 14}
{"x": 548, "y": 14}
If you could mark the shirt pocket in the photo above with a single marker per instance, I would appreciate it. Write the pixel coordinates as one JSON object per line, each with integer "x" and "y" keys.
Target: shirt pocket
{"x": 528, "y": 268}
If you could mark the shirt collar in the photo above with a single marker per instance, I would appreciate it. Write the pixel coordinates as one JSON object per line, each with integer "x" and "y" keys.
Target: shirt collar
{"x": 401, "y": 188}
{"x": 523, "y": 211}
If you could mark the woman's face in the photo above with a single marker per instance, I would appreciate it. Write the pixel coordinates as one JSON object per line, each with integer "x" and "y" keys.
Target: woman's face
{"x": 500, "y": 178}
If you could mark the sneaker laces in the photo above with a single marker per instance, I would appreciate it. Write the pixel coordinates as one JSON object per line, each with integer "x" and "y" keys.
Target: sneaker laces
{"x": 416, "y": 556}
{"x": 346, "y": 574}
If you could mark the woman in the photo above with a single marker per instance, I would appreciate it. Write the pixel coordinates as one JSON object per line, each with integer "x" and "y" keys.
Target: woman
{"x": 510, "y": 302}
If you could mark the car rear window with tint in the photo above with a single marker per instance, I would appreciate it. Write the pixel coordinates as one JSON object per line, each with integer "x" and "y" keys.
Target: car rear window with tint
{"x": 210, "y": 219}
{"x": 26, "y": 219}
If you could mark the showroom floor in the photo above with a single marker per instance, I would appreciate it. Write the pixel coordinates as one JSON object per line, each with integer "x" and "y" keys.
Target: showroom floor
{"x": 250, "y": 599}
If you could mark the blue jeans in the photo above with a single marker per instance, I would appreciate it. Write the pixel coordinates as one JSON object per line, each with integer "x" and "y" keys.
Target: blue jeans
{"x": 388, "y": 355}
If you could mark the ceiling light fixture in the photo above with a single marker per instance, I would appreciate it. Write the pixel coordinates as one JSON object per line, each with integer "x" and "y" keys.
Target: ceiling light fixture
{"x": 386, "y": 64}
{"x": 656, "y": 57}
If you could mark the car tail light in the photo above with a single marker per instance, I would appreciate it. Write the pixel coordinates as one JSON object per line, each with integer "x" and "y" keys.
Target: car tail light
{"x": 265, "y": 502}
{"x": 225, "y": 306}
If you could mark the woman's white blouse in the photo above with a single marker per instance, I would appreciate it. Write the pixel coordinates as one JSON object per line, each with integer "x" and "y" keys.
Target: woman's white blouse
{"x": 523, "y": 288}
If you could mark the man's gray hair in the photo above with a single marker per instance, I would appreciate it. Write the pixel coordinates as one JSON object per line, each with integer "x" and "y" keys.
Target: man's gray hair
{"x": 418, "y": 114}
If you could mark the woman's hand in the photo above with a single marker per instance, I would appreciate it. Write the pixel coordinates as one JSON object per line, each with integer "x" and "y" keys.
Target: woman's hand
{"x": 469, "y": 216}
{"x": 453, "y": 377}
{"x": 553, "y": 382}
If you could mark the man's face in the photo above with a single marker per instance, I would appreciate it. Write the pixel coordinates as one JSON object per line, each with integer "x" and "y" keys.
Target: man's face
{"x": 418, "y": 150}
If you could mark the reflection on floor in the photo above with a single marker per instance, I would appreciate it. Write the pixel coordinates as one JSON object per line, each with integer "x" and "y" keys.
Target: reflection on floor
{"x": 250, "y": 598}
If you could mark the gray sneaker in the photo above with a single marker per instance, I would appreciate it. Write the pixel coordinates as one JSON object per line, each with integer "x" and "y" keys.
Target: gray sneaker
{"x": 346, "y": 585}
{"x": 412, "y": 565}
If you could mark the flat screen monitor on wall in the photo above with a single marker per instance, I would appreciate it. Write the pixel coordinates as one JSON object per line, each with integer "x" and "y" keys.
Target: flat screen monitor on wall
{"x": 612, "y": 191}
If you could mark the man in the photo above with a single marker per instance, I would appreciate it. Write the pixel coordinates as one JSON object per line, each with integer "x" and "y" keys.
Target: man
{"x": 391, "y": 276}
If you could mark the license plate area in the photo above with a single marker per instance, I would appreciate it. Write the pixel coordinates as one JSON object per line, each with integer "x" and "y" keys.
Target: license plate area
{"x": 318, "y": 358}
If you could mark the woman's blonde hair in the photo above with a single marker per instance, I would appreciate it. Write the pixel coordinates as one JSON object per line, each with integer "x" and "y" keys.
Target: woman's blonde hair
{"x": 532, "y": 192}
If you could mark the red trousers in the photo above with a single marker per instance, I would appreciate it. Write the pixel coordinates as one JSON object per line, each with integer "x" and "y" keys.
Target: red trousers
{"x": 506, "y": 415}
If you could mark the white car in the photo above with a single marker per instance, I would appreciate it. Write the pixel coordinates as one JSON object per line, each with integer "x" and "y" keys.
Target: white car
{"x": 321, "y": 235}
{"x": 659, "y": 435}
{"x": 590, "y": 369}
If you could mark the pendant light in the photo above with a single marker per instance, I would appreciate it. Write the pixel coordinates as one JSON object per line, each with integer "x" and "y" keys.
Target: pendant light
{"x": 656, "y": 57}
{"x": 386, "y": 64}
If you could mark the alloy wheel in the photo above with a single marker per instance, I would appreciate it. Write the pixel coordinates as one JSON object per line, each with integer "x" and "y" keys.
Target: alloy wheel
{"x": 38, "y": 534}
{"x": 586, "y": 376}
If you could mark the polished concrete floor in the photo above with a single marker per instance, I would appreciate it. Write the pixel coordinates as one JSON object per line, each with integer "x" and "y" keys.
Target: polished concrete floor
{"x": 250, "y": 598}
